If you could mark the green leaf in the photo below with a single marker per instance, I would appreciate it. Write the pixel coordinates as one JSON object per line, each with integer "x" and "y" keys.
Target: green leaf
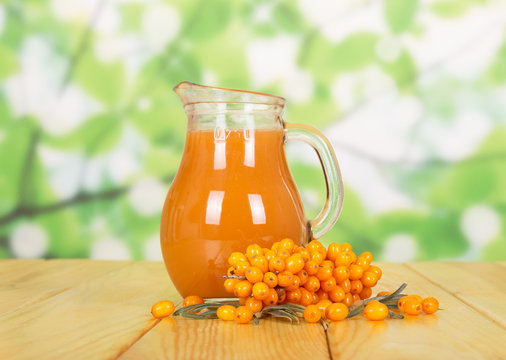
{"x": 288, "y": 18}
{"x": 403, "y": 70}
{"x": 400, "y": 14}
{"x": 206, "y": 19}
{"x": 9, "y": 62}
{"x": 453, "y": 8}
{"x": 354, "y": 52}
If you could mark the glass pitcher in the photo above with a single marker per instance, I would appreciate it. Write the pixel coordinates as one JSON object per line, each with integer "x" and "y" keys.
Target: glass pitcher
{"x": 234, "y": 188}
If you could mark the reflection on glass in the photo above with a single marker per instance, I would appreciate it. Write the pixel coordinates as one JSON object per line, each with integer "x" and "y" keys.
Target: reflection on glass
{"x": 213, "y": 209}
{"x": 257, "y": 208}
{"x": 249, "y": 147}
{"x": 220, "y": 142}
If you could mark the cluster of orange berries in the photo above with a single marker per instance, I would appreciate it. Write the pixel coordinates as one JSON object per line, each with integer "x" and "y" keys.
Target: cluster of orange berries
{"x": 414, "y": 305}
{"x": 312, "y": 275}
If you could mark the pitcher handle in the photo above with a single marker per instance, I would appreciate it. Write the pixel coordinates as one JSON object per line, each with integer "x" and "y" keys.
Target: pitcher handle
{"x": 333, "y": 179}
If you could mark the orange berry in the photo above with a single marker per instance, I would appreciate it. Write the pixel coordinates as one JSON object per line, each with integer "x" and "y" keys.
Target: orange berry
{"x": 356, "y": 297}
{"x": 230, "y": 271}
{"x": 402, "y": 301}
{"x": 306, "y": 255}
{"x": 345, "y": 285}
{"x": 295, "y": 263}
{"x": 281, "y": 293}
{"x": 363, "y": 263}
{"x": 311, "y": 267}
{"x": 287, "y": 244}
{"x": 356, "y": 272}
{"x": 356, "y": 287}
{"x": 337, "y": 294}
{"x": 375, "y": 270}
{"x": 254, "y": 274}
{"x": 243, "y": 288}
{"x": 229, "y": 284}
{"x": 241, "y": 267}
{"x": 365, "y": 293}
{"x": 242, "y": 300}
{"x": 336, "y": 312}
{"x": 162, "y": 309}
{"x": 322, "y": 305}
{"x": 285, "y": 279}
{"x": 353, "y": 257}
{"x": 324, "y": 273}
{"x": 271, "y": 279}
{"x": 260, "y": 291}
{"x": 226, "y": 312}
{"x": 322, "y": 295}
{"x": 254, "y": 304}
{"x": 260, "y": 262}
{"x": 328, "y": 264}
{"x": 412, "y": 306}
{"x": 348, "y": 300}
{"x": 283, "y": 254}
{"x": 276, "y": 264}
{"x": 332, "y": 251}
{"x": 329, "y": 284}
{"x": 315, "y": 298}
{"x": 341, "y": 273}
{"x": 253, "y": 250}
{"x": 375, "y": 310}
{"x": 243, "y": 315}
{"x": 237, "y": 257}
{"x": 275, "y": 246}
{"x": 265, "y": 251}
{"x": 192, "y": 300}
{"x": 366, "y": 255}
{"x": 295, "y": 284}
{"x": 345, "y": 247}
{"x": 306, "y": 297}
{"x": 269, "y": 254}
{"x": 430, "y": 305}
{"x": 312, "y": 314}
{"x": 294, "y": 296}
{"x": 369, "y": 279}
{"x": 383, "y": 293}
{"x": 272, "y": 298}
{"x": 303, "y": 276}
{"x": 343, "y": 259}
{"x": 312, "y": 284}
{"x": 417, "y": 297}
{"x": 314, "y": 245}
{"x": 317, "y": 256}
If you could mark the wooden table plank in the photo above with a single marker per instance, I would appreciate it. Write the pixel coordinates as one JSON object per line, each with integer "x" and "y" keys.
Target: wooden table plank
{"x": 479, "y": 284}
{"x": 457, "y": 332}
{"x": 97, "y": 319}
{"x": 178, "y": 338}
{"x": 10, "y": 265}
{"x": 39, "y": 280}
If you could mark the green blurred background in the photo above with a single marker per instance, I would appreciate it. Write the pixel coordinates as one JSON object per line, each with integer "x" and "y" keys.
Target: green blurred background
{"x": 411, "y": 93}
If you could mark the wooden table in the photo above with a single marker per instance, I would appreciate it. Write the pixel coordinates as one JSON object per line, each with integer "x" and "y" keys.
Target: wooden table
{"x": 83, "y": 309}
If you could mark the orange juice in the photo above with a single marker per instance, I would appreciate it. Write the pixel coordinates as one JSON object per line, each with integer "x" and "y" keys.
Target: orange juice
{"x": 233, "y": 188}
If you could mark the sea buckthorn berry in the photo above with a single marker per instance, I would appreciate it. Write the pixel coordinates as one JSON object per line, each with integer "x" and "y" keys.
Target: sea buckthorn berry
{"x": 243, "y": 315}
{"x": 285, "y": 279}
{"x": 265, "y": 250}
{"x": 281, "y": 293}
{"x": 430, "y": 305}
{"x": 294, "y": 296}
{"x": 312, "y": 284}
{"x": 254, "y": 304}
{"x": 240, "y": 268}
{"x": 324, "y": 273}
{"x": 230, "y": 271}
{"x": 383, "y": 293}
{"x": 315, "y": 298}
{"x": 356, "y": 298}
{"x": 303, "y": 276}
{"x": 260, "y": 290}
{"x": 271, "y": 279}
{"x": 375, "y": 270}
{"x": 348, "y": 300}
{"x": 192, "y": 300}
{"x": 317, "y": 256}
{"x": 269, "y": 254}
{"x": 243, "y": 288}
{"x": 242, "y": 300}
{"x": 314, "y": 245}
{"x": 417, "y": 297}
{"x": 353, "y": 257}
{"x": 295, "y": 263}
{"x": 283, "y": 254}
{"x": 369, "y": 279}
{"x": 322, "y": 295}
{"x": 295, "y": 284}
{"x": 356, "y": 272}
{"x": 253, "y": 250}
{"x": 341, "y": 273}
{"x": 226, "y": 312}
{"x": 401, "y": 302}
{"x": 336, "y": 312}
{"x": 356, "y": 287}
{"x": 322, "y": 305}
{"x": 260, "y": 262}
{"x": 343, "y": 259}
{"x": 329, "y": 284}
{"x": 276, "y": 264}
{"x": 312, "y": 314}
{"x": 332, "y": 251}
{"x": 345, "y": 285}
{"x": 337, "y": 294}
{"x": 363, "y": 263}
{"x": 229, "y": 284}
{"x": 328, "y": 263}
{"x": 366, "y": 255}
{"x": 345, "y": 247}
{"x": 412, "y": 306}
{"x": 237, "y": 257}
{"x": 272, "y": 299}
{"x": 275, "y": 246}
{"x": 306, "y": 298}
{"x": 306, "y": 255}
{"x": 162, "y": 309}
{"x": 375, "y": 310}
{"x": 365, "y": 293}
{"x": 287, "y": 244}
{"x": 254, "y": 274}
{"x": 311, "y": 267}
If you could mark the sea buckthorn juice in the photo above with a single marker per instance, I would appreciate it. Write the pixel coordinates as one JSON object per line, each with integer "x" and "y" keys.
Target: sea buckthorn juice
{"x": 234, "y": 188}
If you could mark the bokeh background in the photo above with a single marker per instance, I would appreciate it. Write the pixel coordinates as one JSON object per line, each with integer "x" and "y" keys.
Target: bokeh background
{"x": 412, "y": 94}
